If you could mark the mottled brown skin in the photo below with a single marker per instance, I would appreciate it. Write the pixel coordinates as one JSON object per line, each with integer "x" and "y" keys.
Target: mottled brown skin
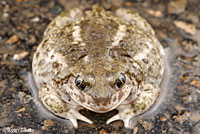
{"x": 98, "y": 46}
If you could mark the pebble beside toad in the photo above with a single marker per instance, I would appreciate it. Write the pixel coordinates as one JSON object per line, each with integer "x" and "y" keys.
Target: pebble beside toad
{"x": 99, "y": 61}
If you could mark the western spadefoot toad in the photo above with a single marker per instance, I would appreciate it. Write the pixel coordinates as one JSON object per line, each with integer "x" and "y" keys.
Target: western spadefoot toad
{"x": 100, "y": 61}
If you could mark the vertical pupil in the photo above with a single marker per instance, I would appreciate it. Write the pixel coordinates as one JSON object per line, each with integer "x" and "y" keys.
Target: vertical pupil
{"x": 122, "y": 80}
{"x": 83, "y": 85}
{"x": 80, "y": 83}
{"x": 119, "y": 83}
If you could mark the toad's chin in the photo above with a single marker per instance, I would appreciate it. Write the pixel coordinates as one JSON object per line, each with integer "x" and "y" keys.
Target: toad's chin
{"x": 102, "y": 104}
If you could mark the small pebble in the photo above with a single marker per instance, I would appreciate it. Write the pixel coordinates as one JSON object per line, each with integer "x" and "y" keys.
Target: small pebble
{"x": 135, "y": 130}
{"x": 47, "y": 123}
{"x": 35, "y": 19}
{"x": 163, "y": 119}
{"x": 12, "y": 39}
{"x": 103, "y": 132}
{"x": 176, "y": 6}
{"x": 20, "y": 110}
{"x": 156, "y": 13}
{"x": 128, "y": 4}
{"x": 187, "y": 27}
{"x": 195, "y": 83}
{"x": 20, "y": 55}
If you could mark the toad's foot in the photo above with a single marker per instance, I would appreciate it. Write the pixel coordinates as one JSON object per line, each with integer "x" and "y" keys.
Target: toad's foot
{"x": 143, "y": 102}
{"x": 60, "y": 108}
{"x": 73, "y": 115}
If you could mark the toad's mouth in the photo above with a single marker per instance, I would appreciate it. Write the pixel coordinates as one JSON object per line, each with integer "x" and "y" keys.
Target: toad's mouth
{"x": 100, "y": 104}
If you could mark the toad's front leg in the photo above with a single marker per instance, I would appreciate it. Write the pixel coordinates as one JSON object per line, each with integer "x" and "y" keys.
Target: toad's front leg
{"x": 57, "y": 106}
{"x": 143, "y": 102}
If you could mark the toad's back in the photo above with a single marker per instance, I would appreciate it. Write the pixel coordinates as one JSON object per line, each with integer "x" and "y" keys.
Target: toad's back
{"x": 98, "y": 38}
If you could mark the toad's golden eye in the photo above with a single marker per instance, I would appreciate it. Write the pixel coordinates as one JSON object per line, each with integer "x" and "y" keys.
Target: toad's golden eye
{"x": 80, "y": 83}
{"x": 120, "y": 81}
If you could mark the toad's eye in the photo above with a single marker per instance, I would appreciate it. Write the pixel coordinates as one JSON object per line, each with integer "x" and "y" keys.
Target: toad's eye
{"x": 80, "y": 83}
{"x": 120, "y": 81}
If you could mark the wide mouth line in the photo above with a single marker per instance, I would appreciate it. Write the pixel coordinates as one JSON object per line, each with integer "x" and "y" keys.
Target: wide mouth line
{"x": 101, "y": 109}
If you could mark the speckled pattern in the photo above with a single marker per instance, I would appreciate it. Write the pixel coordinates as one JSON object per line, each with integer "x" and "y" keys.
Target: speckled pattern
{"x": 116, "y": 58}
{"x": 176, "y": 25}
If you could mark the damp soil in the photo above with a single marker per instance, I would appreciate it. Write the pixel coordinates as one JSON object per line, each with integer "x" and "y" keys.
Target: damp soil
{"x": 177, "y": 26}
